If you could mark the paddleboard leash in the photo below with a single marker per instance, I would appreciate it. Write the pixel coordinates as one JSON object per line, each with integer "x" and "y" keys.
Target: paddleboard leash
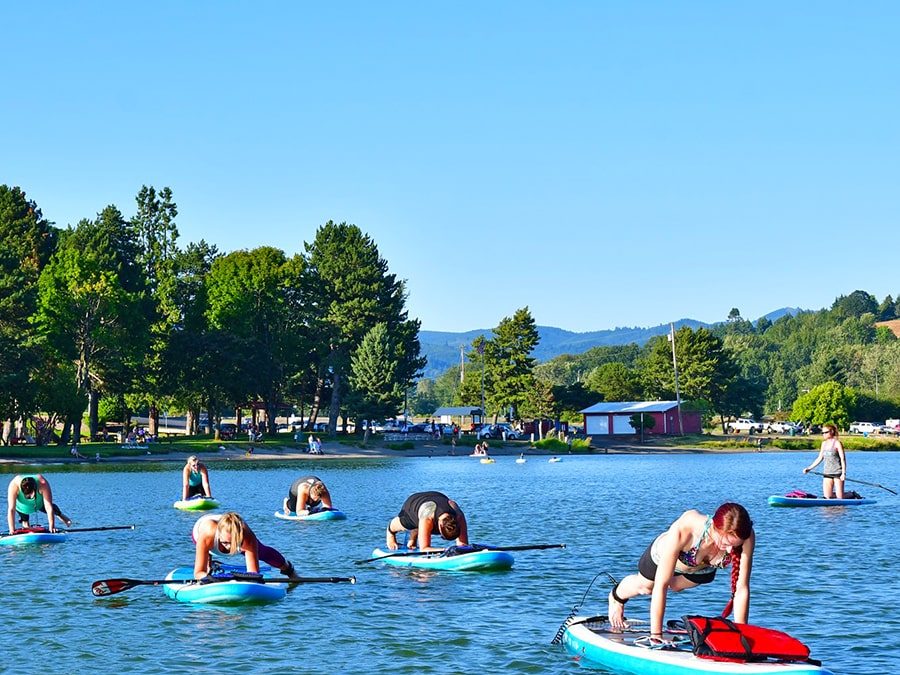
{"x": 568, "y": 622}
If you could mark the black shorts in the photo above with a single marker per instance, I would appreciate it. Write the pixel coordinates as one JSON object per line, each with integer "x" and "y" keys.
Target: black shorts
{"x": 196, "y": 490}
{"x": 647, "y": 569}
{"x": 831, "y": 475}
{"x": 24, "y": 517}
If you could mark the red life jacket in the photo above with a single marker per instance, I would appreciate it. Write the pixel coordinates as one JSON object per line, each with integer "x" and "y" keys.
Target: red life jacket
{"x": 721, "y": 639}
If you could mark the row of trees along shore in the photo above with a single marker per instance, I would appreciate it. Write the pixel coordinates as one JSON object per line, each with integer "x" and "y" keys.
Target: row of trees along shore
{"x": 833, "y": 365}
{"x": 113, "y": 315}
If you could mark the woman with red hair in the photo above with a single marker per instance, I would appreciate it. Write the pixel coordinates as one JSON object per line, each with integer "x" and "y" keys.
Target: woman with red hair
{"x": 686, "y": 555}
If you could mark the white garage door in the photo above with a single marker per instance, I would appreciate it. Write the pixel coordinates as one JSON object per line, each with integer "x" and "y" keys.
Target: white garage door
{"x": 622, "y": 424}
{"x": 597, "y": 425}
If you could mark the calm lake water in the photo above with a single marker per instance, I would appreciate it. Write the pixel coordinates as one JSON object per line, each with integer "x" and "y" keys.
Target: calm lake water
{"x": 827, "y": 576}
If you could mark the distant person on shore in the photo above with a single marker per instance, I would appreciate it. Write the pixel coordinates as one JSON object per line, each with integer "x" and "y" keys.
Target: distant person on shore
{"x": 834, "y": 471}
{"x": 307, "y": 495}
{"x": 28, "y": 494}
{"x": 195, "y": 479}
{"x": 686, "y": 555}
{"x": 228, "y": 534}
{"x": 74, "y": 452}
{"x": 424, "y": 514}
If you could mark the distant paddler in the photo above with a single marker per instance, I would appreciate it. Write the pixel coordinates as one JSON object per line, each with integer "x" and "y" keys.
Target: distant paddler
{"x": 28, "y": 494}
{"x": 307, "y": 495}
{"x": 835, "y": 468}
{"x": 195, "y": 479}
{"x": 424, "y": 514}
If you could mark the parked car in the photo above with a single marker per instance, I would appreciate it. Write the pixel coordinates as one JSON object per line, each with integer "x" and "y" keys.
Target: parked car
{"x": 227, "y": 431}
{"x": 863, "y": 427}
{"x": 888, "y": 430}
{"x": 746, "y": 425}
{"x": 496, "y": 431}
{"x": 782, "y": 428}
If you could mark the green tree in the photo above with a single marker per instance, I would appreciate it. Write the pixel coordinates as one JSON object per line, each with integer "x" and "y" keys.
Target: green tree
{"x": 91, "y": 307}
{"x": 376, "y": 388}
{"x": 348, "y": 290}
{"x": 252, "y": 295}
{"x": 887, "y": 310}
{"x": 707, "y": 371}
{"x": 508, "y": 357}
{"x": 614, "y": 382}
{"x": 26, "y": 243}
{"x": 826, "y": 403}
{"x": 154, "y": 230}
{"x": 855, "y": 305}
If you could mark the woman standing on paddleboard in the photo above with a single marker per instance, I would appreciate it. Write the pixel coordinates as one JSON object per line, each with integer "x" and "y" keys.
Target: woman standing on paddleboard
{"x": 686, "y": 555}
{"x": 195, "y": 479}
{"x": 29, "y": 494}
{"x": 834, "y": 471}
{"x": 425, "y": 513}
{"x": 228, "y": 534}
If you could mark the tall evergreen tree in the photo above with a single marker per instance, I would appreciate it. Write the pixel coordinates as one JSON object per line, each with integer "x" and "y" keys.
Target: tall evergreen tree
{"x": 348, "y": 290}
{"x": 376, "y": 386}
{"x": 26, "y": 242}
{"x": 156, "y": 234}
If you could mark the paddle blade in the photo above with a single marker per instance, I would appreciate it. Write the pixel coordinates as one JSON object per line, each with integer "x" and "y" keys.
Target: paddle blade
{"x": 106, "y": 587}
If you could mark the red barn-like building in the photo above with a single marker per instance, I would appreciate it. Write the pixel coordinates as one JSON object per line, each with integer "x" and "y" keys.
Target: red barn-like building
{"x": 613, "y": 418}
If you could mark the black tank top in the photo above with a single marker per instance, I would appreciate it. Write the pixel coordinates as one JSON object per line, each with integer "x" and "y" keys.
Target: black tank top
{"x": 409, "y": 513}
{"x": 295, "y": 491}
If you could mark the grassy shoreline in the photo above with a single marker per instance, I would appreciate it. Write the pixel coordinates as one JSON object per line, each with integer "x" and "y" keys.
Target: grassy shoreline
{"x": 283, "y": 446}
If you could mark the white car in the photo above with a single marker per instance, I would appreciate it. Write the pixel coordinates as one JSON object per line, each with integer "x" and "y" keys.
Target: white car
{"x": 863, "y": 427}
{"x": 782, "y": 428}
{"x": 745, "y": 424}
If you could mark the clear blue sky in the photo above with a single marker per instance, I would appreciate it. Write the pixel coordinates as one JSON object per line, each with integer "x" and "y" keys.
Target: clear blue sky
{"x": 605, "y": 163}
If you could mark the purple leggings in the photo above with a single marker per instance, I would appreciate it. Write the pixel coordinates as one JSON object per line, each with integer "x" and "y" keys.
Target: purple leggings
{"x": 270, "y": 556}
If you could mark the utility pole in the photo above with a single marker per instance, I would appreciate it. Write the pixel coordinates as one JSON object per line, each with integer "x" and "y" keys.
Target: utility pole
{"x": 675, "y": 367}
{"x": 462, "y": 365}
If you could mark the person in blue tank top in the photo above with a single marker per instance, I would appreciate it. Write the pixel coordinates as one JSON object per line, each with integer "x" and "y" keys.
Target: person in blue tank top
{"x": 834, "y": 471}
{"x": 28, "y": 494}
{"x": 195, "y": 479}
{"x": 686, "y": 555}
{"x": 424, "y": 514}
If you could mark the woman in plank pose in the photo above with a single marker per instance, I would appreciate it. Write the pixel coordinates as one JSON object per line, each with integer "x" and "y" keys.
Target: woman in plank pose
{"x": 307, "y": 495}
{"x": 29, "y": 494}
{"x": 834, "y": 470}
{"x": 195, "y": 479}
{"x": 425, "y": 513}
{"x": 686, "y": 555}
{"x": 229, "y": 534}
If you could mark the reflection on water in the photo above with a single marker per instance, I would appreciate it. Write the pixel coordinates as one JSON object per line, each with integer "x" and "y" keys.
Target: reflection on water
{"x": 825, "y": 575}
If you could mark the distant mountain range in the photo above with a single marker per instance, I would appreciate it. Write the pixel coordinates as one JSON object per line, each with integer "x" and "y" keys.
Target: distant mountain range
{"x": 442, "y": 348}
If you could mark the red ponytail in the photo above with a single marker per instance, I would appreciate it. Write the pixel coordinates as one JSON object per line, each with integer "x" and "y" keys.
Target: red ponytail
{"x": 733, "y": 518}
{"x": 735, "y": 573}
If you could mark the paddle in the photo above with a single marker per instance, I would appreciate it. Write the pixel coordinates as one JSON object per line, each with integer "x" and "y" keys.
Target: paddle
{"x": 464, "y": 549}
{"x": 113, "y": 586}
{"x": 862, "y": 482}
{"x": 41, "y": 529}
